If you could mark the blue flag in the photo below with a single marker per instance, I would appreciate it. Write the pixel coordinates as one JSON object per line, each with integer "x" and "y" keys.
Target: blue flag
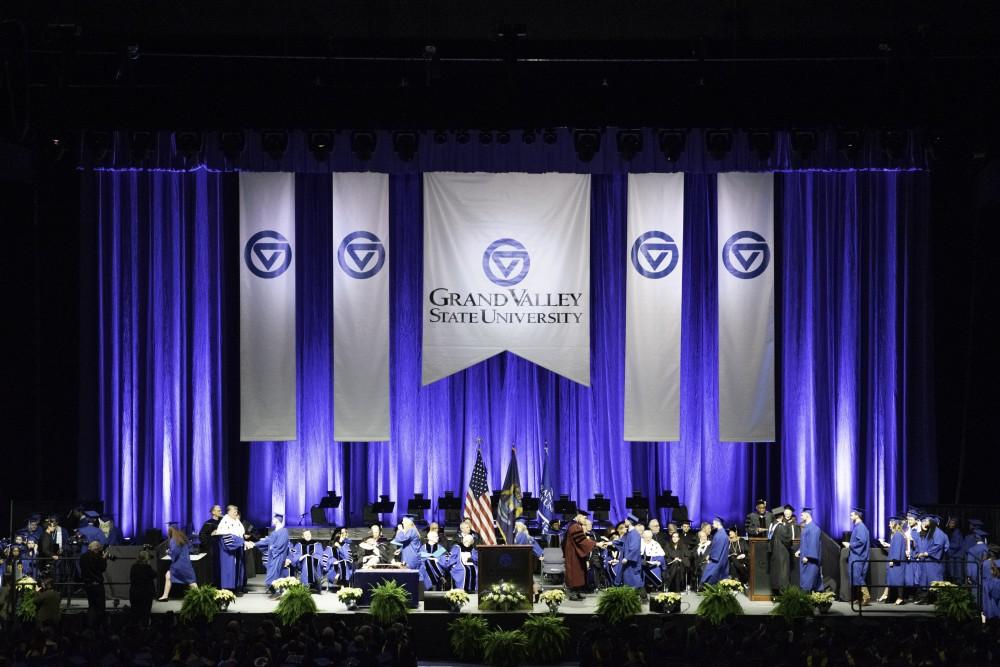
{"x": 546, "y": 511}
{"x": 509, "y": 507}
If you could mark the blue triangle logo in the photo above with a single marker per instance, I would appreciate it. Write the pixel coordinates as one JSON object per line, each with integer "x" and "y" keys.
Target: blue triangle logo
{"x": 655, "y": 253}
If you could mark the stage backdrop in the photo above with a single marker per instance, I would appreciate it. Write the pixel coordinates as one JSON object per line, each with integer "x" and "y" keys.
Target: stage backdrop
{"x": 853, "y": 407}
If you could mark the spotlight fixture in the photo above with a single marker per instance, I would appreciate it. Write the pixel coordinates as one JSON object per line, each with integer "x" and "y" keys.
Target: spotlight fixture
{"x": 99, "y": 144}
{"x": 629, "y": 144}
{"x": 140, "y": 145}
{"x": 320, "y": 144}
{"x": 503, "y": 137}
{"x": 485, "y": 137}
{"x": 363, "y": 145}
{"x": 849, "y": 143}
{"x": 56, "y": 147}
{"x": 462, "y": 137}
{"x": 405, "y": 144}
{"x": 762, "y": 144}
{"x": 529, "y": 136}
{"x": 188, "y": 144}
{"x": 719, "y": 143}
{"x": 549, "y": 136}
{"x": 233, "y": 143}
{"x": 893, "y": 144}
{"x": 804, "y": 143}
{"x": 275, "y": 143}
{"x": 586, "y": 143}
{"x": 440, "y": 137}
{"x": 671, "y": 143}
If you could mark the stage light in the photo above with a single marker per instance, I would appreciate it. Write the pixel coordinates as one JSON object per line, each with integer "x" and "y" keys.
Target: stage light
{"x": 586, "y": 143}
{"x": 549, "y": 136}
{"x": 671, "y": 143}
{"x": 233, "y": 143}
{"x": 485, "y": 137}
{"x": 275, "y": 143}
{"x": 405, "y": 144}
{"x": 363, "y": 145}
{"x": 56, "y": 147}
{"x": 893, "y": 144}
{"x": 320, "y": 144}
{"x": 503, "y": 137}
{"x": 528, "y": 137}
{"x": 462, "y": 137}
{"x": 440, "y": 137}
{"x": 804, "y": 143}
{"x": 849, "y": 142}
{"x": 188, "y": 144}
{"x": 99, "y": 144}
{"x": 629, "y": 144}
{"x": 719, "y": 143}
{"x": 762, "y": 144}
{"x": 140, "y": 145}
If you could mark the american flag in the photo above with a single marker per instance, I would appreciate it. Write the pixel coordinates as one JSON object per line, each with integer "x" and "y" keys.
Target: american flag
{"x": 477, "y": 502}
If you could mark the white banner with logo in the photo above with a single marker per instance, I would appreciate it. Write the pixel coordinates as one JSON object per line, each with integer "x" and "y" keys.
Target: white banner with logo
{"x": 361, "y": 307}
{"x": 653, "y": 307}
{"x": 746, "y": 307}
{"x": 506, "y": 267}
{"x": 267, "y": 306}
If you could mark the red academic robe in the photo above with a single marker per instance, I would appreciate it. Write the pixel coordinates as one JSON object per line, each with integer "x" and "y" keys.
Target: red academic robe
{"x": 576, "y": 550}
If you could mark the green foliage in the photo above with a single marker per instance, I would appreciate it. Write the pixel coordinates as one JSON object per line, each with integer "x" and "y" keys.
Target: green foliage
{"x": 718, "y": 604}
{"x": 390, "y": 602}
{"x": 793, "y": 603}
{"x": 199, "y": 605}
{"x": 505, "y": 648}
{"x": 546, "y": 636}
{"x": 467, "y": 634}
{"x": 295, "y": 603}
{"x": 618, "y": 604}
{"x": 26, "y": 607}
{"x": 954, "y": 603}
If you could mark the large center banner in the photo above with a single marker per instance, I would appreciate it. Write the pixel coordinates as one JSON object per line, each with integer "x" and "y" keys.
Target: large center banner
{"x": 506, "y": 267}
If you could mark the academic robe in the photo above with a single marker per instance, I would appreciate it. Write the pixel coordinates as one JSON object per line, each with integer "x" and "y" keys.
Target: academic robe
{"x": 739, "y": 568}
{"x": 342, "y": 565}
{"x": 409, "y": 543}
{"x": 956, "y": 555}
{"x": 857, "y": 554}
{"x": 652, "y": 564}
{"x": 973, "y": 559}
{"x": 779, "y": 561}
{"x": 914, "y": 545}
{"x": 757, "y": 525}
{"x": 464, "y": 575}
{"x": 576, "y": 548}
{"x": 275, "y": 548}
{"x": 113, "y": 537}
{"x": 936, "y": 546}
{"x": 676, "y": 560}
{"x": 229, "y": 570}
{"x": 432, "y": 569}
{"x": 92, "y": 534}
{"x": 631, "y": 559}
{"x": 525, "y": 538}
{"x": 317, "y": 572}
{"x": 718, "y": 559}
{"x": 810, "y": 559}
{"x": 612, "y": 565}
{"x": 895, "y": 570}
{"x": 181, "y": 569}
{"x": 991, "y": 590}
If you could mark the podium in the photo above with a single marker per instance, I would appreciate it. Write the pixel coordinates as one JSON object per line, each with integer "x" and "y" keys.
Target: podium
{"x": 513, "y": 564}
{"x": 760, "y": 569}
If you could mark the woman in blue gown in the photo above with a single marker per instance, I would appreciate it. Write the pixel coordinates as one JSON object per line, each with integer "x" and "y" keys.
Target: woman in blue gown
{"x": 895, "y": 570}
{"x": 181, "y": 570}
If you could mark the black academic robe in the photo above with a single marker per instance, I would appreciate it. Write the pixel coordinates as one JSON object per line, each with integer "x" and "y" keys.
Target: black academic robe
{"x": 780, "y": 556}
{"x": 739, "y": 568}
{"x": 757, "y": 524}
{"x": 205, "y": 535}
{"x": 675, "y": 573}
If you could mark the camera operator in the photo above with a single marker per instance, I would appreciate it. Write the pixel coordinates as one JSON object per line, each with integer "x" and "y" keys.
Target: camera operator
{"x": 93, "y": 564}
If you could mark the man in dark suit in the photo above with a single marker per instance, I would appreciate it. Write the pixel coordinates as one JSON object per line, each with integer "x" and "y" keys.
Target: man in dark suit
{"x": 758, "y": 521}
{"x": 659, "y": 536}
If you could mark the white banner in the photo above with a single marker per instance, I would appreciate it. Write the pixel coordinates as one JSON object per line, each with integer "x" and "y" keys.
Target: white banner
{"x": 506, "y": 267}
{"x": 746, "y": 307}
{"x": 653, "y": 307}
{"x": 361, "y": 307}
{"x": 267, "y": 306}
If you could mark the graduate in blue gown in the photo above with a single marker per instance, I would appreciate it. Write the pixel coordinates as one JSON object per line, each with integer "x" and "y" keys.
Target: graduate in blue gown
{"x": 911, "y": 532}
{"x": 991, "y": 584}
{"x": 956, "y": 551}
{"x": 934, "y": 548}
{"x": 89, "y": 531}
{"x": 32, "y": 530}
{"x": 408, "y": 540}
{"x": 858, "y": 548}
{"x": 462, "y": 563}
{"x": 895, "y": 569}
{"x": 523, "y": 537}
{"x": 717, "y": 567}
{"x": 974, "y": 557}
{"x": 432, "y": 555}
{"x": 810, "y": 554}
{"x": 112, "y": 533}
{"x": 630, "y": 557}
{"x": 275, "y": 546}
{"x": 342, "y": 565}
{"x": 181, "y": 570}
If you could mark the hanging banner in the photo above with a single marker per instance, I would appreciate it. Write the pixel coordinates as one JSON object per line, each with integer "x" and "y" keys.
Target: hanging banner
{"x": 506, "y": 267}
{"x": 653, "y": 307}
{"x": 746, "y": 307}
{"x": 361, "y": 307}
{"x": 267, "y": 306}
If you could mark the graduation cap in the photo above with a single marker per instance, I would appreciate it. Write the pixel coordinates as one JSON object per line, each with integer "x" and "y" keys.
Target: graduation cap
{"x": 632, "y": 518}
{"x": 912, "y": 511}
{"x": 106, "y": 517}
{"x": 761, "y": 501}
{"x": 976, "y": 523}
{"x": 280, "y": 517}
{"x": 90, "y": 516}
{"x": 173, "y": 524}
{"x": 807, "y": 510}
{"x": 685, "y": 520}
{"x": 895, "y": 518}
{"x": 719, "y": 519}
{"x": 34, "y": 518}
{"x": 779, "y": 511}
{"x": 981, "y": 534}
{"x": 933, "y": 517}
{"x": 733, "y": 529}
{"x": 858, "y": 511}
{"x": 788, "y": 507}
{"x": 411, "y": 517}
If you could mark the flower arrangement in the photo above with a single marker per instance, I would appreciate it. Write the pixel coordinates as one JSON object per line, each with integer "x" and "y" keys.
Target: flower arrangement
{"x": 284, "y": 583}
{"x": 224, "y": 598}
{"x": 457, "y": 597}
{"x": 27, "y": 583}
{"x": 942, "y": 584}
{"x": 553, "y": 596}
{"x": 347, "y": 594}
{"x": 825, "y": 597}
{"x": 665, "y": 603}
{"x": 667, "y": 598}
{"x": 502, "y": 597}
{"x": 26, "y": 606}
{"x": 731, "y": 585}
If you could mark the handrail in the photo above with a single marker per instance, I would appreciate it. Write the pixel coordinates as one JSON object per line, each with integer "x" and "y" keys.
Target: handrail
{"x": 975, "y": 588}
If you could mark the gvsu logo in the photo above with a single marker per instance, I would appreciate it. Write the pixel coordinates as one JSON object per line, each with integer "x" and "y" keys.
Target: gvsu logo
{"x": 267, "y": 254}
{"x": 361, "y": 255}
{"x": 655, "y": 254}
{"x": 506, "y": 262}
{"x": 746, "y": 255}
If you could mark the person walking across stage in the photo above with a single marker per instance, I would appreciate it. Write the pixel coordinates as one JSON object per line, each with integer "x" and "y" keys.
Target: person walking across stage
{"x": 276, "y": 545}
{"x": 181, "y": 570}
{"x": 810, "y": 554}
{"x": 858, "y": 547}
{"x": 779, "y": 549}
{"x": 630, "y": 560}
{"x": 93, "y": 564}
{"x": 717, "y": 568}
{"x": 576, "y": 549}
{"x": 895, "y": 570}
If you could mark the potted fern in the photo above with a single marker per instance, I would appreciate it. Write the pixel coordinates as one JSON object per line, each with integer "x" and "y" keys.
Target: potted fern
{"x": 822, "y": 601}
{"x": 618, "y": 604}
{"x": 665, "y": 603}
{"x": 296, "y": 603}
{"x": 390, "y": 602}
{"x": 718, "y": 603}
{"x": 953, "y": 602}
{"x": 505, "y": 648}
{"x": 545, "y": 636}
{"x": 26, "y": 605}
{"x": 792, "y": 603}
{"x": 466, "y": 637}
{"x": 199, "y": 605}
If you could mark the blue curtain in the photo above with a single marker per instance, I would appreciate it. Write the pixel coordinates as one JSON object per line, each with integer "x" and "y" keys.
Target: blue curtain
{"x": 852, "y": 362}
